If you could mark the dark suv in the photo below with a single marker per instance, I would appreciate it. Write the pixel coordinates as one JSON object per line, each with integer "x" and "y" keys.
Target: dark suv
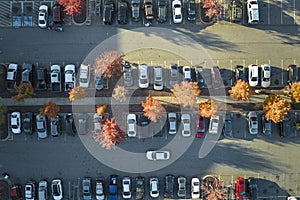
{"x": 108, "y": 12}
{"x": 191, "y": 12}
{"x": 70, "y": 126}
{"x": 41, "y": 79}
{"x": 293, "y": 73}
{"x": 162, "y": 11}
{"x": 239, "y": 73}
{"x": 169, "y": 186}
{"x": 122, "y": 12}
{"x": 285, "y": 128}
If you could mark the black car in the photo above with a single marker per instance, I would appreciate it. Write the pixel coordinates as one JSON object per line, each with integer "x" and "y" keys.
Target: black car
{"x": 55, "y": 126}
{"x": 169, "y": 186}
{"x": 227, "y": 126}
{"x": 26, "y": 73}
{"x": 252, "y": 188}
{"x": 27, "y": 123}
{"x": 122, "y": 12}
{"x": 293, "y": 74}
{"x": 239, "y": 73}
{"x": 191, "y": 12}
{"x": 135, "y": 10}
{"x": 285, "y": 128}
{"x": 108, "y": 13}
{"x": 143, "y": 121}
{"x": 199, "y": 77}
{"x": 236, "y": 11}
{"x": 41, "y": 79}
{"x": 266, "y": 124}
{"x": 162, "y": 11}
{"x": 70, "y": 125}
{"x": 140, "y": 188}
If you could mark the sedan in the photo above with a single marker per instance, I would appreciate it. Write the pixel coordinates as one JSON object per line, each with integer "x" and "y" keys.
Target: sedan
{"x": 253, "y": 75}
{"x": 216, "y": 77}
{"x": 126, "y": 184}
{"x": 181, "y": 186}
{"x": 239, "y": 73}
{"x": 57, "y": 192}
{"x": 128, "y": 80}
{"x": 30, "y": 191}
{"x": 154, "y": 187}
{"x": 87, "y": 188}
{"x": 200, "y": 127}
{"x": 98, "y": 82}
{"x": 43, "y": 189}
{"x": 143, "y": 76}
{"x": 122, "y": 12}
{"x": 15, "y": 122}
{"x": 187, "y": 73}
{"x": 54, "y": 126}
{"x": 177, "y": 14}
{"x": 131, "y": 125}
{"x": 41, "y": 126}
{"x": 11, "y": 76}
{"x": 253, "y": 123}
{"x": 199, "y": 77}
{"x": 27, "y": 123}
{"x": 195, "y": 188}
{"x": 172, "y": 123}
{"x": 266, "y": 124}
{"x": 186, "y": 119}
{"x": 265, "y": 75}
{"x": 43, "y": 16}
{"x": 158, "y": 155}
{"x": 169, "y": 186}
{"x": 228, "y": 126}
{"x": 240, "y": 188}
{"x": 173, "y": 74}
{"x": 97, "y": 119}
{"x": 100, "y": 189}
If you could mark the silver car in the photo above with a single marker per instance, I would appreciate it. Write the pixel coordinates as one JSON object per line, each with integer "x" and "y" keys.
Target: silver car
{"x": 181, "y": 186}
{"x": 41, "y": 126}
{"x": 172, "y": 123}
{"x": 158, "y": 80}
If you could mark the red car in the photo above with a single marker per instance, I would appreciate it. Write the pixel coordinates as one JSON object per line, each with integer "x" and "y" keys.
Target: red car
{"x": 240, "y": 188}
{"x": 216, "y": 79}
{"x": 200, "y": 127}
{"x": 16, "y": 192}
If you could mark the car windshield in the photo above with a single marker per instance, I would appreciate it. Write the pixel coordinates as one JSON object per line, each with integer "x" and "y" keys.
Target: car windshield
{"x": 143, "y": 81}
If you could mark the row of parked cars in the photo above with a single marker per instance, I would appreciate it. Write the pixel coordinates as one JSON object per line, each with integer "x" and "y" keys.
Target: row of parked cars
{"x": 47, "y": 18}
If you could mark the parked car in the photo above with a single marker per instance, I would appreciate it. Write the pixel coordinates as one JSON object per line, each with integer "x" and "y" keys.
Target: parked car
{"x": 55, "y": 126}
{"x": 158, "y": 80}
{"x": 30, "y": 191}
{"x": 169, "y": 186}
{"x": 56, "y": 78}
{"x": 227, "y": 126}
{"x": 186, "y": 122}
{"x": 97, "y": 120}
{"x": 265, "y": 75}
{"x": 195, "y": 188}
{"x": 253, "y": 75}
{"x": 113, "y": 187}
{"x": 41, "y": 79}
{"x": 26, "y": 73}
{"x": 41, "y": 126}
{"x": 187, "y": 73}
{"x": 58, "y": 15}
{"x": 43, "y": 16}
{"x": 191, "y": 10}
{"x": 173, "y": 74}
{"x": 27, "y": 123}
{"x": 253, "y": 123}
{"x": 11, "y": 76}
{"x": 216, "y": 78}
{"x": 148, "y": 7}
{"x": 108, "y": 12}
{"x": 158, "y": 155}
{"x": 177, "y": 14}
{"x": 70, "y": 126}
{"x": 266, "y": 124}
{"x": 131, "y": 125}
{"x": 81, "y": 129}
{"x": 253, "y": 189}
{"x": 172, "y": 123}
{"x": 100, "y": 189}
{"x": 98, "y": 82}
{"x": 126, "y": 185}
{"x": 162, "y": 11}
{"x": 236, "y": 11}
{"x": 253, "y": 13}
{"x": 128, "y": 80}
{"x": 70, "y": 78}
{"x": 15, "y": 122}
{"x": 214, "y": 125}
{"x": 122, "y": 12}
{"x": 285, "y": 128}
{"x": 57, "y": 191}
{"x": 239, "y": 73}
{"x": 240, "y": 188}
{"x": 87, "y": 188}
{"x": 140, "y": 188}
{"x": 135, "y": 10}
{"x": 200, "y": 127}
{"x": 293, "y": 73}
{"x": 181, "y": 186}
{"x": 84, "y": 75}
{"x": 199, "y": 77}
{"x": 154, "y": 187}
{"x": 43, "y": 190}
{"x": 143, "y": 120}
{"x": 16, "y": 192}
{"x": 143, "y": 76}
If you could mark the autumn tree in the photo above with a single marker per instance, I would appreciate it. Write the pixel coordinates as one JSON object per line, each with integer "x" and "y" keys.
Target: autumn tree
{"x": 209, "y": 108}
{"x": 213, "y": 8}
{"x": 101, "y": 109}
{"x": 295, "y": 91}
{"x": 276, "y": 108}
{"x": 120, "y": 93}
{"x": 212, "y": 188}
{"x": 108, "y": 64}
{"x": 72, "y": 6}
{"x": 240, "y": 91}
{"x": 111, "y": 134}
{"x": 186, "y": 93}
{"x": 24, "y": 90}
{"x": 153, "y": 109}
{"x": 49, "y": 109}
{"x": 77, "y": 93}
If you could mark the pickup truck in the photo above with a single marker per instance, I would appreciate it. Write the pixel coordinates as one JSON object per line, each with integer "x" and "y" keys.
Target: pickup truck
{"x": 148, "y": 6}
{"x": 55, "y": 78}
{"x": 113, "y": 187}
{"x": 70, "y": 79}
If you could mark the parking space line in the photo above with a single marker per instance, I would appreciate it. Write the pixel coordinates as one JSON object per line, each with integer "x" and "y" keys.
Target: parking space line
{"x": 281, "y": 71}
{"x": 281, "y": 12}
{"x": 294, "y": 11}
{"x": 268, "y": 12}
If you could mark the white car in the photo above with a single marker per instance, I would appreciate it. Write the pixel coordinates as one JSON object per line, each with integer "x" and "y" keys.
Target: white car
{"x": 186, "y": 121}
{"x": 131, "y": 125}
{"x": 158, "y": 81}
{"x": 154, "y": 190}
{"x": 57, "y": 192}
{"x": 253, "y": 123}
{"x": 100, "y": 189}
{"x": 15, "y": 122}
{"x": 143, "y": 76}
{"x": 97, "y": 120}
{"x": 29, "y": 191}
{"x": 253, "y": 12}
{"x": 84, "y": 75}
{"x": 253, "y": 75}
{"x": 187, "y": 73}
{"x": 265, "y": 75}
{"x": 214, "y": 125}
{"x": 172, "y": 123}
{"x": 11, "y": 76}
{"x": 158, "y": 155}
{"x": 195, "y": 188}
{"x": 177, "y": 13}
{"x": 43, "y": 16}
{"x": 70, "y": 79}
{"x": 126, "y": 183}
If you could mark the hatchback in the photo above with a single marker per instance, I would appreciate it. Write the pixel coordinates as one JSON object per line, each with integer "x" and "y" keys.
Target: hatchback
{"x": 253, "y": 75}
{"x": 253, "y": 123}
{"x": 172, "y": 123}
{"x": 41, "y": 126}
{"x": 108, "y": 12}
{"x": 57, "y": 192}
{"x": 265, "y": 75}
{"x": 158, "y": 80}
{"x": 181, "y": 186}
{"x": 240, "y": 188}
{"x": 216, "y": 77}
{"x": 169, "y": 186}
{"x": 15, "y": 122}
{"x": 293, "y": 73}
{"x": 154, "y": 187}
{"x": 200, "y": 127}
{"x": 87, "y": 188}
{"x": 186, "y": 122}
{"x": 126, "y": 184}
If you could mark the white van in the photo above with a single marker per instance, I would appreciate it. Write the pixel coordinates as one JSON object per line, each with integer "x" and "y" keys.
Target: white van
{"x": 253, "y": 12}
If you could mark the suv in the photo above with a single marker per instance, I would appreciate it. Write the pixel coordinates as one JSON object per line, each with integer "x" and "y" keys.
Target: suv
{"x": 253, "y": 14}
{"x": 70, "y": 79}
{"x": 169, "y": 186}
{"x": 162, "y": 11}
{"x": 187, "y": 73}
{"x": 236, "y": 11}
{"x": 30, "y": 191}
{"x": 135, "y": 10}
{"x": 41, "y": 79}
{"x": 84, "y": 75}
{"x": 293, "y": 74}
{"x": 26, "y": 73}
{"x": 253, "y": 123}
{"x": 108, "y": 12}
{"x": 11, "y": 76}
{"x": 58, "y": 14}
{"x": 158, "y": 82}
{"x": 191, "y": 10}
{"x": 27, "y": 123}
{"x": 86, "y": 188}
{"x": 122, "y": 12}
{"x": 239, "y": 73}
{"x": 143, "y": 76}
{"x": 148, "y": 6}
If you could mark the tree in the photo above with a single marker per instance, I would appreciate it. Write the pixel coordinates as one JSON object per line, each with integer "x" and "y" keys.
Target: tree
{"x": 153, "y": 109}
{"x": 120, "y": 93}
{"x": 212, "y": 188}
{"x": 295, "y": 91}
{"x": 240, "y": 91}
{"x": 77, "y": 93}
{"x": 186, "y": 93}
{"x": 213, "y": 8}
{"x": 49, "y": 109}
{"x": 101, "y": 109}
{"x": 72, "y": 6}
{"x": 24, "y": 90}
{"x": 276, "y": 108}
{"x": 108, "y": 64}
{"x": 209, "y": 108}
{"x": 111, "y": 134}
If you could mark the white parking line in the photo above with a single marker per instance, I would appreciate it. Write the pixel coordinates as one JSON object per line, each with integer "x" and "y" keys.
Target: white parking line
{"x": 281, "y": 12}
{"x": 282, "y": 72}
{"x": 268, "y": 12}
{"x": 294, "y": 11}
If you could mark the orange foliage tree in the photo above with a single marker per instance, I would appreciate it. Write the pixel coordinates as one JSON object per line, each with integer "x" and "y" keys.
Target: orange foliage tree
{"x": 212, "y": 188}
{"x": 111, "y": 134}
{"x": 120, "y": 93}
{"x": 276, "y": 108}
{"x": 109, "y": 63}
{"x": 77, "y": 93}
{"x": 49, "y": 109}
{"x": 72, "y": 6}
{"x": 209, "y": 108}
{"x": 153, "y": 109}
{"x": 101, "y": 109}
{"x": 24, "y": 90}
{"x": 295, "y": 91}
{"x": 213, "y": 8}
{"x": 240, "y": 91}
{"x": 186, "y": 93}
